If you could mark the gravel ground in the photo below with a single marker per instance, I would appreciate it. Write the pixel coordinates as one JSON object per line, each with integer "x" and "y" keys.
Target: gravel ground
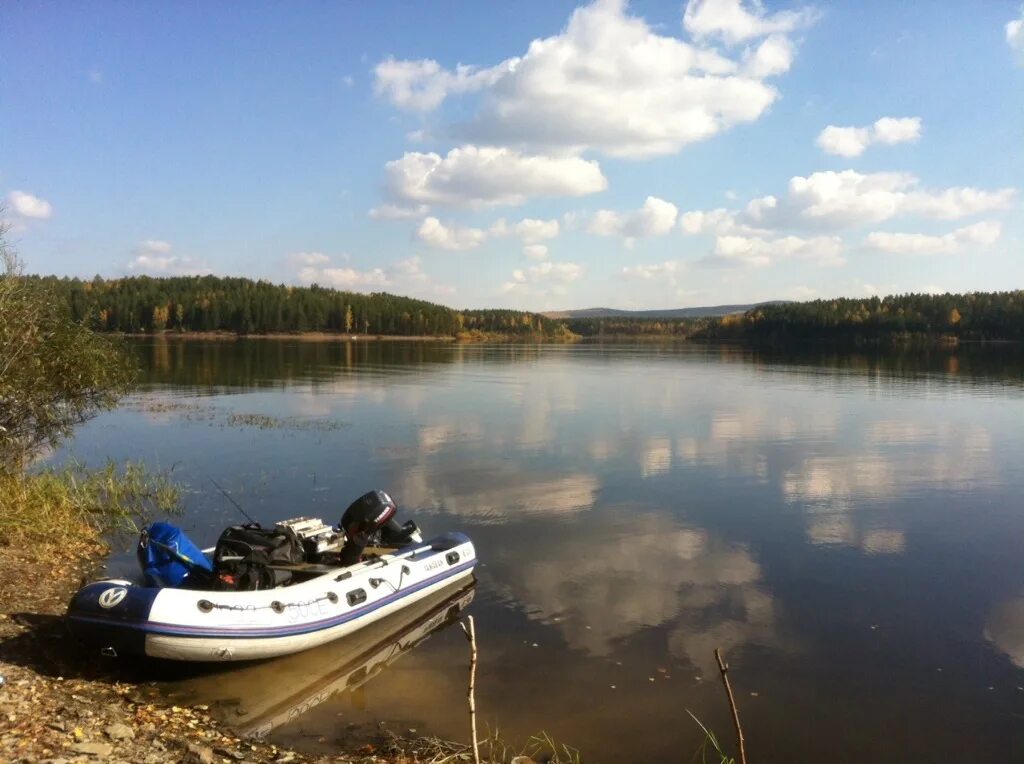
{"x": 59, "y": 704}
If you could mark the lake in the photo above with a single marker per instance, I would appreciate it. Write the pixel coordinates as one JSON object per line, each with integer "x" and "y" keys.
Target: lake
{"x": 847, "y": 527}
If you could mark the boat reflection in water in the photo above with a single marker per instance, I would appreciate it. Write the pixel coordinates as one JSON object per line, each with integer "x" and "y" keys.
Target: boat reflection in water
{"x": 258, "y": 699}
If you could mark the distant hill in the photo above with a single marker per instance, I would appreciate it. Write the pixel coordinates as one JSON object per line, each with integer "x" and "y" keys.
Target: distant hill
{"x": 705, "y": 312}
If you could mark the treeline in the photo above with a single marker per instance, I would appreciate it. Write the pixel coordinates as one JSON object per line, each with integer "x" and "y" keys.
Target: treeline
{"x": 636, "y": 327}
{"x": 972, "y": 316}
{"x": 141, "y": 304}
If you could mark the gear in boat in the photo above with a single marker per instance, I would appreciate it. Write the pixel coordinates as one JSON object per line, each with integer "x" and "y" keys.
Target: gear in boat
{"x": 262, "y": 592}
{"x": 249, "y": 557}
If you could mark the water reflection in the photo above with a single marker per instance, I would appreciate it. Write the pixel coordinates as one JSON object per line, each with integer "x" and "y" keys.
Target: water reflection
{"x": 1005, "y": 629}
{"x": 630, "y": 568}
{"x": 636, "y": 506}
{"x": 257, "y": 699}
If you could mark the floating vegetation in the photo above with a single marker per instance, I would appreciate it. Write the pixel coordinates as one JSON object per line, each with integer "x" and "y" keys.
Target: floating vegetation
{"x": 266, "y": 422}
{"x": 191, "y": 411}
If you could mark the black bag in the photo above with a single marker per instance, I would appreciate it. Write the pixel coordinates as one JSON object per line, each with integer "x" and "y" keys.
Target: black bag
{"x": 244, "y": 552}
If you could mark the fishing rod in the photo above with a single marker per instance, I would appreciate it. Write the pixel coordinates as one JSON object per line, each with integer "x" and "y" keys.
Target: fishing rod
{"x": 236, "y": 504}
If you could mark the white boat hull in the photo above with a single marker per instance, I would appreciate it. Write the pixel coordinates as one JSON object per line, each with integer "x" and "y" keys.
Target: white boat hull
{"x": 193, "y": 625}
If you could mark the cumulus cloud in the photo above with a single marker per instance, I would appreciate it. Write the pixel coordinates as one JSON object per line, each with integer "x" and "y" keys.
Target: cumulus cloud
{"x": 404, "y": 276}
{"x": 759, "y": 252}
{"x": 399, "y": 212}
{"x": 436, "y": 234}
{"x": 152, "y": 247}
{"x": 666, "y": 271}
{"x": 455, "y": 238}
{"x": 153, "y": 257}
{"x": 852, "y": 141}
{"x": 979, "y": 234}
{"x": 656, "y": 218}
{"x": 1015, "y": 37}
{"x": 535, "y": 252}
{"x": 547, "y": 278}
{"x": 25, "y": 205}
{"x": 772, "y": 57}
{"x": 423, "y": 85}
{"x": 472, "y": 176}
{"x": 529, "y": 230}
{"x": 834, "y": 200}
{"x": 733, "y": 23}
{"x": 308, "y": 258}
{"x": 609, "y": 82}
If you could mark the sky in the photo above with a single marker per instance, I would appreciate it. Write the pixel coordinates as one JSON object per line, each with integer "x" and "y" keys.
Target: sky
{"x": 538, "y": 156}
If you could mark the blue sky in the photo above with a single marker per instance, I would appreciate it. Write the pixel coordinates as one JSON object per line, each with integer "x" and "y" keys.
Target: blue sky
{"x": 529, "y": 155}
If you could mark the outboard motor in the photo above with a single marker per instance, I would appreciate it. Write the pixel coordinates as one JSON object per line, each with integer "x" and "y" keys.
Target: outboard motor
{"x": 370, "y": 521}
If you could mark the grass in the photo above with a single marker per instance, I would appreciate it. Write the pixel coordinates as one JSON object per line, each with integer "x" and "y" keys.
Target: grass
{"x": 74, "y": 504}
{"x": 710, "y": 747}
{"x": 494, "y": 749}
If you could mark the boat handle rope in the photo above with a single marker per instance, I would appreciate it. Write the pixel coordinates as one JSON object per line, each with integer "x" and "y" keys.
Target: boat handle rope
{"x": 375, "y": 582}
{"x": 277, "y": 606}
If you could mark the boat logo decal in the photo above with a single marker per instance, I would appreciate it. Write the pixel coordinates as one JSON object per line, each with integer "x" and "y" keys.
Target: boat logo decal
{"x": 112, "y": 597}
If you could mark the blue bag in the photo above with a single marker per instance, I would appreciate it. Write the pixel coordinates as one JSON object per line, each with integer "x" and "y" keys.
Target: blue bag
{"x": 168, "y": 557}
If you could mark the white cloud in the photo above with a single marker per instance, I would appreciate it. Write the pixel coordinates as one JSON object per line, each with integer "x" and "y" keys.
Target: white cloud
{"x": 344, "y": 278}
{"x": 422, "y": 85}
{"x": 852, "y": 141}
{"x": 547, "y": 278}
{"x": 609, "y": 82}
{"x": 656, "y": 218}
{"x": 532, "y": 231}
{"x": 844, "y": 141}
{"x": 401, "y": 277}
{"x": 891, "y": 130}
{"x": 535, "y": 252}
{"x": 152, "y": 247}
{"x": 399, "y": 212}
{"x": 772, "y": 57}
{"x": 662, "y": 272}
{"x": 1015, "y": 37}
{"x": 833, "y": 200}
{"x": 153, "y": 257}
{"x": 436, "y": 234}
{"x": 759, "y": 252}
{"x": 732, "y": 22}
{"x": 699, "y": 221}
{"x": 487, "y": 176}
{"x": 308, "y": 258}
{"x": 979, "y": 234}
{"x": 25, "y": 205}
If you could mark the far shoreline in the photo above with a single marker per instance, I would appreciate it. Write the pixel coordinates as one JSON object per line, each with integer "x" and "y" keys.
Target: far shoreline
{"x": 302, "y": 336}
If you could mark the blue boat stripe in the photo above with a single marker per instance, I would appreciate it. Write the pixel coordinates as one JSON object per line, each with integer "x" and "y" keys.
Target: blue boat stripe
{"x": 237, "y": 632}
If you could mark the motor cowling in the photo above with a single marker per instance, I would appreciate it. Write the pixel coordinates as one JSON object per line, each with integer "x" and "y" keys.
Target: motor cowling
{"x": 370, "y": 521}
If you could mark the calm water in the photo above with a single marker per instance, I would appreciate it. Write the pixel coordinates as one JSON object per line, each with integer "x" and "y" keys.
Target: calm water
{"x": 849, "y": 529}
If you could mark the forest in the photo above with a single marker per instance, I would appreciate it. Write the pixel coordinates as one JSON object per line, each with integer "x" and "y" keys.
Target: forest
{"x": 896, "y": 318}
{"x": 971, "y": 316}
{"x": 141, "y": 304}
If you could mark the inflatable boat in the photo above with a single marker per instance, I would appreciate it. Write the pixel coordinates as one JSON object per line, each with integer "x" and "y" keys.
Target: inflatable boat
{"x": 262, "y": 593}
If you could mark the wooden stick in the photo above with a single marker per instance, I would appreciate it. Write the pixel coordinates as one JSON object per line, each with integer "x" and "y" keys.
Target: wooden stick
{"x": 724, "y": 668}
{"x": 471, "y": 694}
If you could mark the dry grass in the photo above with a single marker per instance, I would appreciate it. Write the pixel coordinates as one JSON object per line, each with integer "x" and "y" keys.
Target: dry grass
{"x": 74, "y": 504}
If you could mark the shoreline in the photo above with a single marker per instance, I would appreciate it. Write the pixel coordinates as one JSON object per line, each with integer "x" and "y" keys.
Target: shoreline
{"x": 61, "y": 704}
{"x": 464, "y": 338}
{"x": 300, "y": 336}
